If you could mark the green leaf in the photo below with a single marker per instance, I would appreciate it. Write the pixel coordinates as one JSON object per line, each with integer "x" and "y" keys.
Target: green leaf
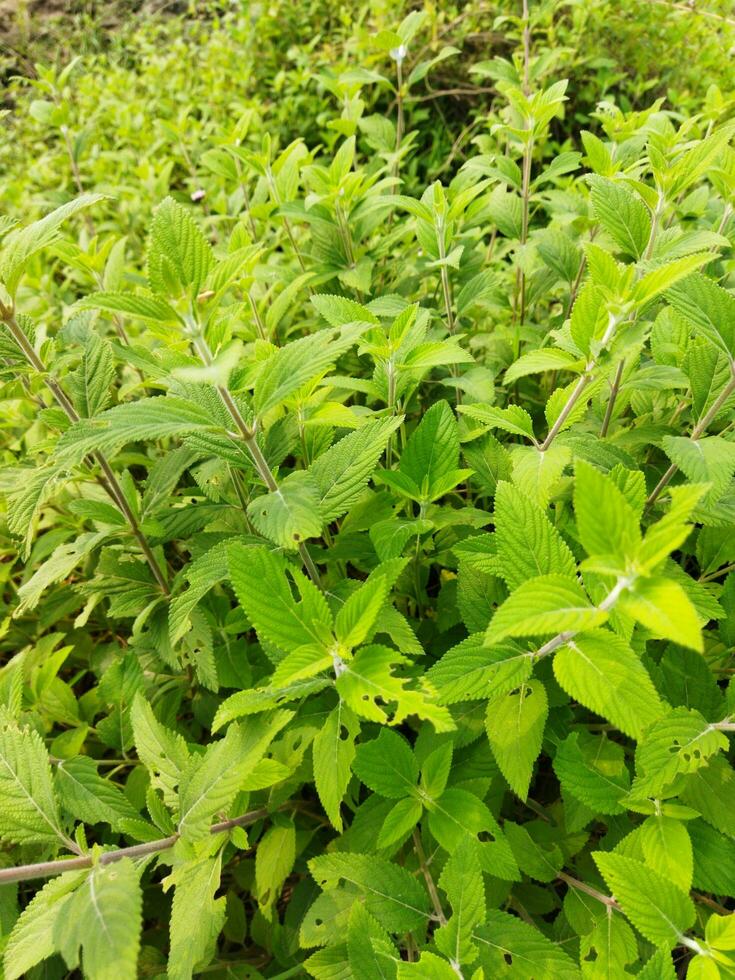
{"x": 142, "y": 305}
{"x": 355, "y": 620}
{"x": 461, "y": 881}
{"x": 392, "y": 894}
{"x": 593, "y": 771}
{"x": 197, "y": 917}
{"x": 92, "y": 799}
{"x": 32, "y": 936}
{"x": 512, "y": 948}
{"x": 91, "y": 384}
{"x": 459, "y": 817}
{"x": 710, "y": 459}
{"x": 274, "y": 861}
{"x": 668, "y": 849}
{"x": 606, "y": 522}
{"x": 538, "y": 473}
{"x": 537, "y": 857}
{"x": 655, "y": 282}
{"x": 29, "y": 812}
{"x": 343, "y": 471}
{"x": 103, "y": 919}
{"x": 538, "y": 361}
{"x": 290, "y": 514}
{"x": 431, "y": 456}
{"x": 622, "y": 214}
{"x": 513, "y": 419}
{"x": 339, "y": 311}
{"x": 528, "y": 544}
{"x": 145, "y": 419}
{"x": 210, "y": 781}
{"x": 369, "y": 686}
{"x": 515, "y": 727}
{"x": 333, "y": 751}
{"x": 473, "y": 670}
{"x": 259, "y": 578}
{"x": 179, "y": 257}
{"x": 202, "y": 574}
{"x": 62, "y": 561}
{"x": 601, "y": 671}
{"x": 23, "y": 243}
{"x": 544, "y": 605}
{"x": 399, "y": 822}
{"x": 663, "y": 607}
{"x": 387, "y": 765}
{"x": 300, "y": 361}
{"x": 660, "y": 911}
{"x": 163, "y": 752}
{"x": 709, "y": 308}
{"x": 680, "y": 742}
{"x": 608, "y": 950}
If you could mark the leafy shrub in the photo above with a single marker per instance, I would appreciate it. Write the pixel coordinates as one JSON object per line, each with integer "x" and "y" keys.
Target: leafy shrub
{"x": 369, "y": 579}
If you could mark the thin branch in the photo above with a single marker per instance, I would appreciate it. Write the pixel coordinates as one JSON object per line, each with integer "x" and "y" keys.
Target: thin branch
{"x": 582, "y": 886}
{"x": 44, "y": 869}
{"x": 434, "y": 894}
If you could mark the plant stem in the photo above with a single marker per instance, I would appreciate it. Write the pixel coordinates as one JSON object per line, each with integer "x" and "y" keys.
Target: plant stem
{"x": 44, "y": 869}
{"x": 111, "y": 484}
{"x": 588, "y": 890}
{"x": 399, "y": 114}
{"x": 697, "y": 431}
{"x": 561, "y": 418}
{"x": 251, "y": 444}
{"x": 447, "y": 294}
{"x": 611, "y": 400}
{"x": 433, "y": 893}
{"x": 286, "y": 223}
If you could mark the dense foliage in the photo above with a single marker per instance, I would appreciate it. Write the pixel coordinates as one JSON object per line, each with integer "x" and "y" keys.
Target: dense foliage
{"x": 369, "y": 506}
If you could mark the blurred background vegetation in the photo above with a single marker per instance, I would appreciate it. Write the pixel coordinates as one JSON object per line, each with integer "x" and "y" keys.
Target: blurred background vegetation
{"x": 155, "y": 84}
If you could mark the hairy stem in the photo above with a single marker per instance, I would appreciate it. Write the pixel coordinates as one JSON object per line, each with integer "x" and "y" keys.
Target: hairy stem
{"x": 588, "y": 890}
{"x": 433, "y": 893}
{"x": 612, "y": 399}
{"x": 44, "y": 869}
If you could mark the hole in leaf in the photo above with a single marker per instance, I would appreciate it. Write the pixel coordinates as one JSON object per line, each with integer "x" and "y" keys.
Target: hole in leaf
{"x": 508, "y": 959}
{"x": 486, "y": 837}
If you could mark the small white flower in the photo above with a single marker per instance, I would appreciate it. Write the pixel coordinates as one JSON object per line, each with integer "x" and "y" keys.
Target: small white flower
{"x": 399, "y": 53}
{"x": 198, "y": 194}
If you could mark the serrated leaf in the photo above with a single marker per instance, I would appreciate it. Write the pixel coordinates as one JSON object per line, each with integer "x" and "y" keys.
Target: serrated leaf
{"x": 622, "y": 214}
{"x": 290, "y": 514}
{"x": 392, "y": 894}
{"x": 515, "y": 727}
{"x": 600, "y": 670}
{"x": 333, "y": 751}
{"x": 179, "y": 257}
{"x": 103, "y": 921}
{"x": 543, "y": 605}
{"x": 259, "y": 578}
{"x": 29, "y": 811}
{"x": 512, "y": 948}
{"x": 197, "y": 916}
{"x": 343, "y": 471}
{"x": 387, "y": 765}
{"x": 657, "y": 908}
{"x": 528, "y": 544}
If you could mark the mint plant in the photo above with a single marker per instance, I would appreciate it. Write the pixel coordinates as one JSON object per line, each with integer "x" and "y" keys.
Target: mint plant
{"x": 369, "y": 552}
